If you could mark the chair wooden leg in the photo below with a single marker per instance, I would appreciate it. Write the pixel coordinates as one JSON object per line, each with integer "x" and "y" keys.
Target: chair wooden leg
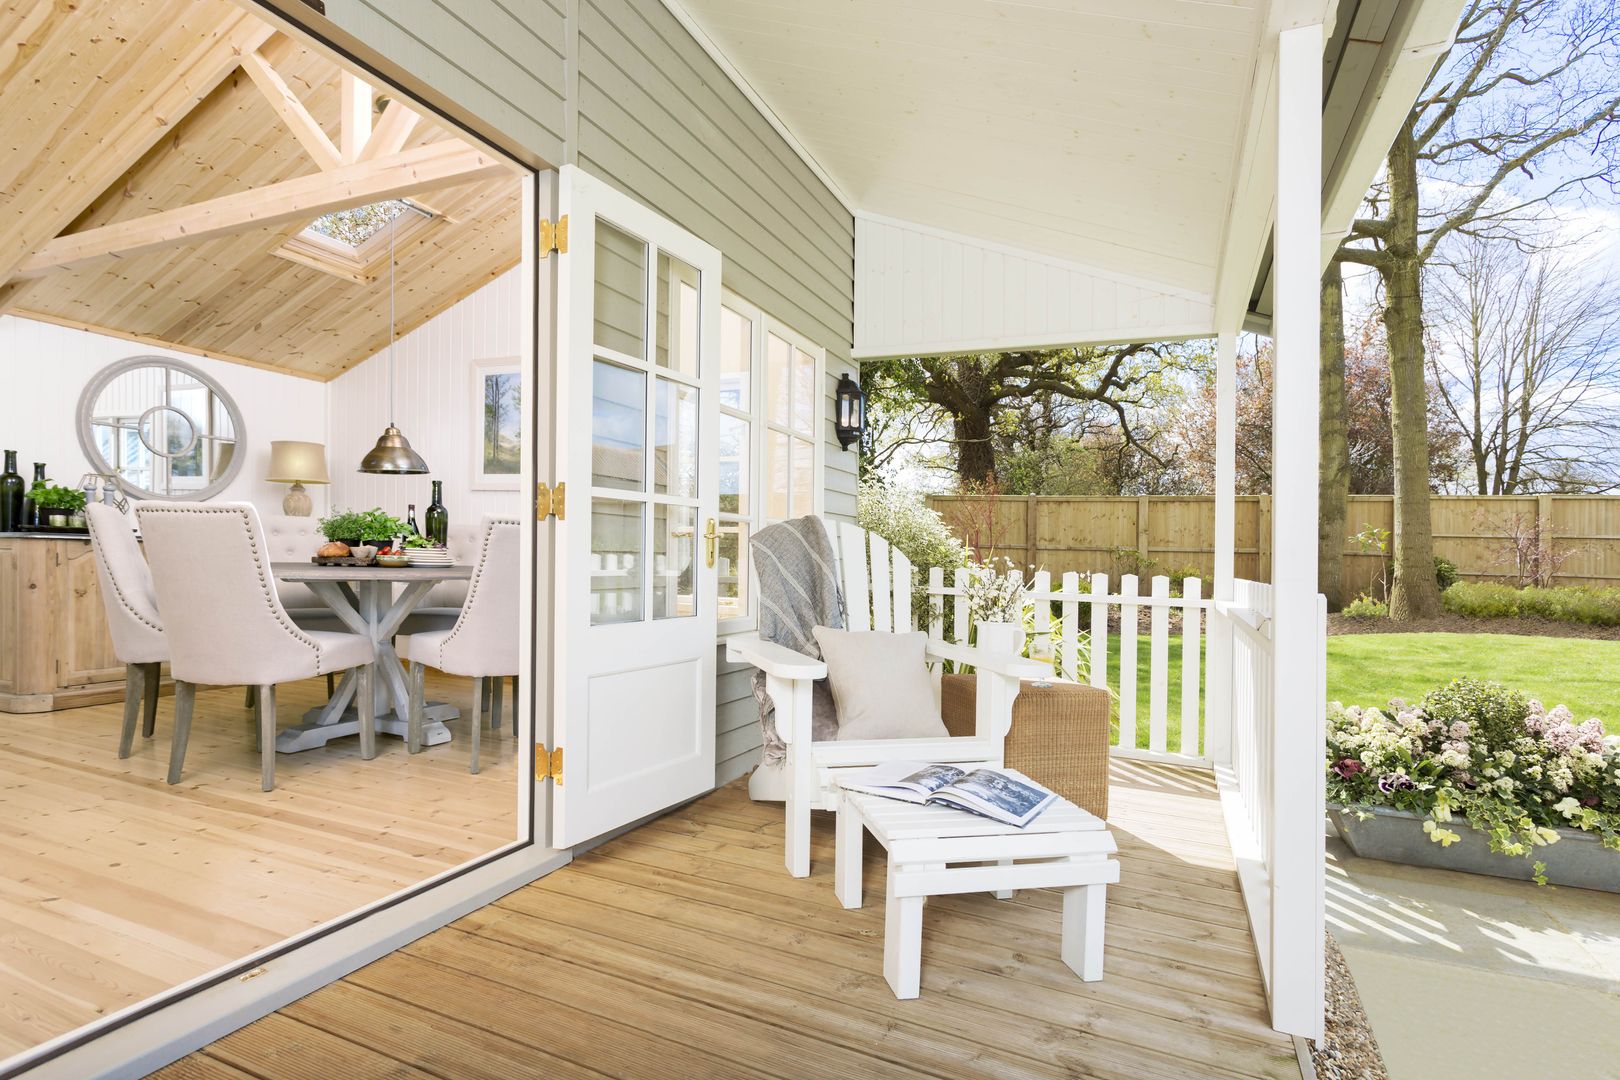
{"x": 414, "y": 718}
{"x": 154, "y": 683}
{"x": 134, "y": 685}
{"x": 479, "y": 686}
{"x": 496, "y": 684}
{"x": 185, "y": 697}
{"x": 797, "y": 807}
{"x": 514, "y": 706}
{"x": 267, "y": 738}
{"x": 366, "y": 705}
{"x": 250, "y": 697}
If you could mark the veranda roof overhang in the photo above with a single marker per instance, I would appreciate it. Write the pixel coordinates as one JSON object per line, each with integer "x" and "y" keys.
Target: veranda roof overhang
{"x": 1065, "y": 171}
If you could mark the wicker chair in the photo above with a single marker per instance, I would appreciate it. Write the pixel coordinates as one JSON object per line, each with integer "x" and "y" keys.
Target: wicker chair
{"x": 1059, "y": 735}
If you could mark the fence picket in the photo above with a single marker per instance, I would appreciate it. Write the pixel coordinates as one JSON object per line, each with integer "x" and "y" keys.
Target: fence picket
{"x": 1159, "y": 666}
{"x": 1041, "y": 646}
{"x": 959, "y": 607}
{"x": 936, "y": 603}
{"x": 1191, "y": 664}
{"x": 1127, "y": 661}
{"x": 1070, "y": 616}
{"x": 1099, "y": 631}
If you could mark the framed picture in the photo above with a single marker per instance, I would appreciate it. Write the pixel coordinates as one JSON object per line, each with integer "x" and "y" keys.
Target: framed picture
{"x": 497, "y": 399}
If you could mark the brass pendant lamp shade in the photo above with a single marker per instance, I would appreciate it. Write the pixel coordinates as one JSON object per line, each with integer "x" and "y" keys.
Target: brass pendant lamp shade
{"x": 392, "y": 456}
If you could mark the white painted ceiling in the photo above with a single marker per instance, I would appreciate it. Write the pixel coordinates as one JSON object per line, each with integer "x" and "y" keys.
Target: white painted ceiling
{"x": 1099, "y": 131}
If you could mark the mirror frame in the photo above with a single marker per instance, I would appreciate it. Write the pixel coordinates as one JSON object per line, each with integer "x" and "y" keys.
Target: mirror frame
{"x": 92, "y": 453}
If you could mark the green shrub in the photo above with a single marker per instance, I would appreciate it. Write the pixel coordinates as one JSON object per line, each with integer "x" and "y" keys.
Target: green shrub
{"x": 1365, "y": 607}
{"x": 1491, "y": 709}
{"x": 1445, "y": 572}
{"x": 1567, "y": 603}
{"x": 903, "y": 519}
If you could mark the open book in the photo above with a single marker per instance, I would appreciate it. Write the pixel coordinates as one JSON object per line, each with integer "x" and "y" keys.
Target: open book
{"x": 993, "y": 793}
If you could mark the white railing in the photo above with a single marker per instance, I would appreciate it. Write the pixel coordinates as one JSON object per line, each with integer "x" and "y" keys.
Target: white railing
{"x": 1077, "y": 646}
{"x": 1284, "y": 923}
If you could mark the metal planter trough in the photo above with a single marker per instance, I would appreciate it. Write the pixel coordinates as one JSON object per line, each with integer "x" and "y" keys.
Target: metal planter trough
{"x": 1578, "y": 859}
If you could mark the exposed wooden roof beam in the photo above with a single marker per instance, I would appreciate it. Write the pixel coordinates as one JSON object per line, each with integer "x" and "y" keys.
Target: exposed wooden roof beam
{"x": 356, "y": 117}
{"x": 388, "y": 137}
{"x": 424, "y": 168}
{"x": 292, "y": 112}
{"x": 161, "y": 106}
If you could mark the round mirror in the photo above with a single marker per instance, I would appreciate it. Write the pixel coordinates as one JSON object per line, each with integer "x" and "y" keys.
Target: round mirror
{"x": 165, "y": 429}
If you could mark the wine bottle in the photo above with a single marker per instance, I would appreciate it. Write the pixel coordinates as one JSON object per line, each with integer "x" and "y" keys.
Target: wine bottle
{"x": 438, "y": 518}
{"x": 11, "y": 495}
{"x": 410, "y": 519}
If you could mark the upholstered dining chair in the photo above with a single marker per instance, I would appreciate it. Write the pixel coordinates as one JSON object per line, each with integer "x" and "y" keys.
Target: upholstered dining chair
{"x": 132, "y": 616}
{"x": 483, "y": 643}
{"x": 226, "y": 625}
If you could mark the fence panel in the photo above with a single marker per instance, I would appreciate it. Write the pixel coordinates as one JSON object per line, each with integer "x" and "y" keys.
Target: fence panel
{"x": 1175, "y": 534}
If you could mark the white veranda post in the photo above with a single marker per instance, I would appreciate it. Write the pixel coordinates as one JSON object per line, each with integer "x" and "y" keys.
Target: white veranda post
{"x": 1296, "y": 676}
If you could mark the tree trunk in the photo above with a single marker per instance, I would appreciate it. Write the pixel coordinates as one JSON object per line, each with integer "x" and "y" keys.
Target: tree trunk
{"x": 975, "y": 452}
{"x": 1334, "y": 474}
{"x": 1415, "y": 594}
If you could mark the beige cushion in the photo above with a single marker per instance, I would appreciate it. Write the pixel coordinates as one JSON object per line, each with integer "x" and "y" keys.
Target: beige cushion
{"x": 881, "y": 684}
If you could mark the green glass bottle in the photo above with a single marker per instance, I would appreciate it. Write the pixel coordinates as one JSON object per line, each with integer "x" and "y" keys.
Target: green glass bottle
{"x": 438, "y": 518}
{"x": 11, "y": 495}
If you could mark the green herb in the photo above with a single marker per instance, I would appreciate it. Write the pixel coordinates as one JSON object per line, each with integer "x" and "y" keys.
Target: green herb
{"x": 366, "y": 526}
{"x": 55, "y": 497}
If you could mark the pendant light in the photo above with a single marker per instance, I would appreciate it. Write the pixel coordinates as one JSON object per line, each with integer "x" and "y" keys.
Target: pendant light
{"x": 392, "y": 456}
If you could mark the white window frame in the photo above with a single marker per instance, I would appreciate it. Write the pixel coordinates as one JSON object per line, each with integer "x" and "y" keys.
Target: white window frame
{"x": 759, "y": 425}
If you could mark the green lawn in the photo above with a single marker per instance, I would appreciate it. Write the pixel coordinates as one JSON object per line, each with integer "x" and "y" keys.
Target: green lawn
{"x": 1369, "y": 669}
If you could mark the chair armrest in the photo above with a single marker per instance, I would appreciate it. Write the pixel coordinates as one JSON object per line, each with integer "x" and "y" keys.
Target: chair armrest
{"x": 1001, "y": 663}
{"x": 772, "y": 659}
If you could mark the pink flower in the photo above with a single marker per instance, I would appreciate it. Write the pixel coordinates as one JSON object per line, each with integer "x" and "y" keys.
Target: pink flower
{"x": 1348, "y": 767}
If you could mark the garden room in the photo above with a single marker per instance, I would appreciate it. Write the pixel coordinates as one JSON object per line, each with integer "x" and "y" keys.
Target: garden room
{"x": 264, "y": 327}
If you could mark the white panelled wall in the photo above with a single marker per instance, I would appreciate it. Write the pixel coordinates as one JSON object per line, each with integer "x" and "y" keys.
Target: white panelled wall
{"x": 44, "y": 368}
{"x": 920, "y": 291}
{"x": 433, "y": 406}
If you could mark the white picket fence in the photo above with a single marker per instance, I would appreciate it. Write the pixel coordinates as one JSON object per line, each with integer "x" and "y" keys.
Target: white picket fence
{"x": 1059, "y": 644}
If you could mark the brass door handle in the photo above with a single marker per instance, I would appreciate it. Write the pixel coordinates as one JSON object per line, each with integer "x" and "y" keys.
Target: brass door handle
{"x": 710, "y": 542}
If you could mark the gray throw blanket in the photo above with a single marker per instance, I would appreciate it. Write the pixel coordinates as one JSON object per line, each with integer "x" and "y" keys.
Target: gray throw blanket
{"x": 797, "y": 577}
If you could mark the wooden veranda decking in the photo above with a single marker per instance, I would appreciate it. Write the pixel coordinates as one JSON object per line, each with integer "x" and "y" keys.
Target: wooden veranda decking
{"x": 684, "y": 949}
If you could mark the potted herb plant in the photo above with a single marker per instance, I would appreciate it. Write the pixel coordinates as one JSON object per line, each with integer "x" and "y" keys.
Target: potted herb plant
{"x": 357, "y": 527}
{"x": 56, "y": 503}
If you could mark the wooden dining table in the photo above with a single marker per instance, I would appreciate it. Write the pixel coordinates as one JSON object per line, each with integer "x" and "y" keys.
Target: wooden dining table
{"x": 365, "y": 601}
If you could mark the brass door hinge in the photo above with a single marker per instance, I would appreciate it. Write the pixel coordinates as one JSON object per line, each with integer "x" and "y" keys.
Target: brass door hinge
{"x": 550, "y": 502}
{"x": 548, "y": 766}
{"x": 554, "y": 236}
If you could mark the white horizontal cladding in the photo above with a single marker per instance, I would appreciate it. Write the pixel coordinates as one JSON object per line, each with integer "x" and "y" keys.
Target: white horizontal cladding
{"x": 921, "y": 291}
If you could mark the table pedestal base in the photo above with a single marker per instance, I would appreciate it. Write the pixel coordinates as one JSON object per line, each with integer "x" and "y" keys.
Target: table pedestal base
{"x": 312, "y": 733}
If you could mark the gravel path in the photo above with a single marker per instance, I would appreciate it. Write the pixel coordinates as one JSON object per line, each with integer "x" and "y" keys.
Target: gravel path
{"x": 1349, "y": 1051}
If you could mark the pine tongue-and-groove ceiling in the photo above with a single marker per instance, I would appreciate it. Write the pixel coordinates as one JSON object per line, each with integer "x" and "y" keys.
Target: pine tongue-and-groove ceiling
{"x": 121, "y": 109}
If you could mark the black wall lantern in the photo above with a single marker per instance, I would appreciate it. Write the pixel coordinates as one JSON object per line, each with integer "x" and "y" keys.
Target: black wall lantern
{"x": 850, "y": 420}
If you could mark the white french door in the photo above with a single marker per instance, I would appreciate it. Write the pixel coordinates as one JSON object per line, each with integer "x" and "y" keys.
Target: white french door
{"x": 633, "y": 628}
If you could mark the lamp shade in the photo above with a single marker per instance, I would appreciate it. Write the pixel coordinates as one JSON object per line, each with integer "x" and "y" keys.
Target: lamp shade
{"x": 298, "y": 463}
{"x": 393, "y": 456}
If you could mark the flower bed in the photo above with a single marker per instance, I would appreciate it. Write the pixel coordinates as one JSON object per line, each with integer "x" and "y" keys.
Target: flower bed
{"x": 1479, "y": 753}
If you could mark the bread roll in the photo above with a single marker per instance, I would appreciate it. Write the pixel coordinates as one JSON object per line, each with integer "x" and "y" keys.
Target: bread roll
{"x": 333, "y": 550}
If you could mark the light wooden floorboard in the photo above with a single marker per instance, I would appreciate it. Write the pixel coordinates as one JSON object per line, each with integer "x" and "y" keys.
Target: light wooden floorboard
{"x": 684, "y": 949}
{"x": 116, "y": 886}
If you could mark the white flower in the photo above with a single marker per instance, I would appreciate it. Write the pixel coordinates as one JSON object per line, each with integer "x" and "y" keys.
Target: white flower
{"x": 1568, "y": 806}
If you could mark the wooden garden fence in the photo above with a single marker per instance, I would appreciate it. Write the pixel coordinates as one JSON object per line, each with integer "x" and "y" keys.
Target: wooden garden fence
{"x": 1176, "y": 534}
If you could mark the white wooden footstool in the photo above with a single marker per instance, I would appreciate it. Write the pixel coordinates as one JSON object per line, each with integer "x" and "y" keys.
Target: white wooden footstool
{"x": 934, "y": 850}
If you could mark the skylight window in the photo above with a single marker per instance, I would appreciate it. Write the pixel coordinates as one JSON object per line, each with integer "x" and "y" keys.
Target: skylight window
{"x": 355, "y": 226}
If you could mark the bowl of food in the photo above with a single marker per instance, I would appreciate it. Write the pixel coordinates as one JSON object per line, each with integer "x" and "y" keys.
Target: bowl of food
{"x": 393, "y": 560}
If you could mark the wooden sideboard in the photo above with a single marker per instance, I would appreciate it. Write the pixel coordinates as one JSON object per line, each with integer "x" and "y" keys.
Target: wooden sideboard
{"x": 55, "y": 651}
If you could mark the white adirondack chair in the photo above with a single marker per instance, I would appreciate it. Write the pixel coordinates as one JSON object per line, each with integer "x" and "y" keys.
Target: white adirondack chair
{"x": 877, "y": 582}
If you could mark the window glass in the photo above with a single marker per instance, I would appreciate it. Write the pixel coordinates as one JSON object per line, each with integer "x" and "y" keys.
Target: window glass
{"x": 621, "y": 291}
{"x": 618, "y": 427}
{"x": 736, "y": 359}
{"x": 779, "y": 378}
{"x": 804, "y": 476}
{"x": 674, "y": 548}
{"x": 731, "y": 568}
{"x": 616, "y": 544}
{"x": 804, "y": 392}
{"x": 734, "y": 464}
{"x": 677, "y": 324}
{"x": 675, "y": 449}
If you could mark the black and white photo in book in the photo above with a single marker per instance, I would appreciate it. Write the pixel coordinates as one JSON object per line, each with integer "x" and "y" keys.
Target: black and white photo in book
{"x": 1010, "y": 798}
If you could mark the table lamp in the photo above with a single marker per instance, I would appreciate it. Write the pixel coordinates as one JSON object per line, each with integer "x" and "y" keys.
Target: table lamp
{"x": 297, "y": 463}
